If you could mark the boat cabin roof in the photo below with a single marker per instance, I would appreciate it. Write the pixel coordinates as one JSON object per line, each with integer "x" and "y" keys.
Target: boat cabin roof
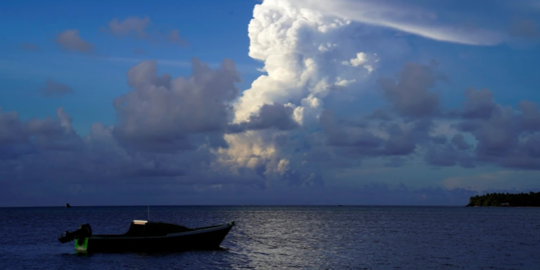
{"x": 140, "y": 222}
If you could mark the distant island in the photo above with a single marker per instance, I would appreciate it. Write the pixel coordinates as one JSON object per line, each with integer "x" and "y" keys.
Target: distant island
{"x": 506, "y": 199}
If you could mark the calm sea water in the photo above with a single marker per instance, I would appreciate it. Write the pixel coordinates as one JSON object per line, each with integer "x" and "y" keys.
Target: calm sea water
{"x": 277, "y": 237}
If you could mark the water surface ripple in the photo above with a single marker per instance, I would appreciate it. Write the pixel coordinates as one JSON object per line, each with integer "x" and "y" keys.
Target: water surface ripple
{"x": 282, "y": 237}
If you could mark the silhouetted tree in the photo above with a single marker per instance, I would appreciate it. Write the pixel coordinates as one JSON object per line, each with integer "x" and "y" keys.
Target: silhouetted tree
{"x": 500, "y": 199}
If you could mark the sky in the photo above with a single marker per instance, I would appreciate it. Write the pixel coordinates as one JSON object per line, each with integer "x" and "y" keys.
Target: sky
{"x": 311, "y": 102}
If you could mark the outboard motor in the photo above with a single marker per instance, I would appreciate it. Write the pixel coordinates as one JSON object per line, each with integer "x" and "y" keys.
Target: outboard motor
{"x": 84, "y": 231}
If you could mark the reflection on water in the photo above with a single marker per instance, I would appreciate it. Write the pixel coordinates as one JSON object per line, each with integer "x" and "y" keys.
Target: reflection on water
{"x": 289, "y": 237}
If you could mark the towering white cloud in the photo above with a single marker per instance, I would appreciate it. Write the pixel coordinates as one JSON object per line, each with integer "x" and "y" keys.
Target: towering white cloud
{"x": 303, "y": 51}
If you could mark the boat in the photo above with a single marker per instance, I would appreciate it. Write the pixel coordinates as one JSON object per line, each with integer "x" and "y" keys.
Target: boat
{"x": 146, "y": 236}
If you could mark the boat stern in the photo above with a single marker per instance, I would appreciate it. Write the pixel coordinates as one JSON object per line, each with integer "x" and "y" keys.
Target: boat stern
{"x": 81, "y": 245}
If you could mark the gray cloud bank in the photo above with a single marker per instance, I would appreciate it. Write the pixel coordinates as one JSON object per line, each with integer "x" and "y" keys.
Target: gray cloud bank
{"x": 483, "y": 131}
{"x": 198, "y": 136}
{"x": 170, "y": 131}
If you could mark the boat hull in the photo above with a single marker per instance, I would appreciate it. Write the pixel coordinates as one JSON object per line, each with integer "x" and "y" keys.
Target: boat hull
{"x": 209, "y": 238}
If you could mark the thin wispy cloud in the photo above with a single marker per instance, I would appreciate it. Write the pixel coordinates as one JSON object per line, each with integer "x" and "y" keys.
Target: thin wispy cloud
{"x": 131, "y": 26}
{"x": 142, "y": 28}
{"x": 524, "y": 28}
{"x": 427, "y": 19}
{"x": 53, "y": 88}
{"x": 30, "y": 47}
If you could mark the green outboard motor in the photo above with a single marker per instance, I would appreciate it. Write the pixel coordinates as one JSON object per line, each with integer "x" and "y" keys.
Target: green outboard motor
{"x": 84, "y": 231}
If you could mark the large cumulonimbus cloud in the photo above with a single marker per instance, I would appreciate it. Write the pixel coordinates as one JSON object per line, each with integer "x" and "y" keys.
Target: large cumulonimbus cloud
{"x": 313, "y": 48}
{"x": 306, "y": 55}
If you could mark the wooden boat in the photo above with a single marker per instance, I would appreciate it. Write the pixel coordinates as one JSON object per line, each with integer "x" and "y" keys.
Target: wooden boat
{"x": 148, "y": 237}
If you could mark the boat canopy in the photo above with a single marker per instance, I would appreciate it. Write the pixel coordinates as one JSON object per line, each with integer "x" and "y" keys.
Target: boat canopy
{"x": 146, "y": 228}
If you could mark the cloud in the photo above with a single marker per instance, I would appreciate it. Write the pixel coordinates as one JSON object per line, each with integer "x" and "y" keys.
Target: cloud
{"x": 492, "y": 126}
{"x": 524, "y": 28}
{"x": 516, "y": 180}
{"x": 406, "y": 131}
{"x": 54, "y": 134}
{"x": 137, "y": 27}
{"x": 30, "y": 47}
{"x": 349, "y": 136}
{"x": 13, "y": 130}
{"x": 45, "y": 134}
{"x": 70, "y": 40}
{"x": 274, "y": 115}
{"x": 530, "y": 116}
{"x": 167, "y": 134}
{"x": 316, "y": 50}
{"x": 162, "y": 114}
{"x": 269, "y": 116}
{"x": 481, "y": 133}
{"x": 166, "y": 128}
{"x": 53, "y": 88}
{"x": 416, "y": 17}
{"x": 310, "y": 49}
{"x": 410, "y": 95}
{"x": 459, "y": 142}
{"x": 393, "y": 138}
{"x": 479, "y": 104}
{"x": 139, "y": 51}
{"x": 286, "y": 135}
{"x": 270, "y": 155}
{"x": 360, "y": 60}
{"x": 448, "y": 155}
{"x": 174, "y": 37}
{"x": 491, "y": 134}
{"x": 131, "y": 26}
{"x": 303, "y": 53}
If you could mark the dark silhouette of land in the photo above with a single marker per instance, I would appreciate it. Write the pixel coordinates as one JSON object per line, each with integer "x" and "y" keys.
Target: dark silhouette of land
{"x": 506, "y": 199}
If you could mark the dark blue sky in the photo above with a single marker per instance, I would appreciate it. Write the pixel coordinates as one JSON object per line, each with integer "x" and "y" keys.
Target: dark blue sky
{"x": 273, "y": 102}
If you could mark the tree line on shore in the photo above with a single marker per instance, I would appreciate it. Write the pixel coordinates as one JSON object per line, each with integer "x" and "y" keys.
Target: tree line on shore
{"x": 506, "y": 199}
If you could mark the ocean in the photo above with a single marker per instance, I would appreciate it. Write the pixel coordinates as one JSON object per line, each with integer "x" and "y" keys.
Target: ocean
{"x": 287, "y": 237}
